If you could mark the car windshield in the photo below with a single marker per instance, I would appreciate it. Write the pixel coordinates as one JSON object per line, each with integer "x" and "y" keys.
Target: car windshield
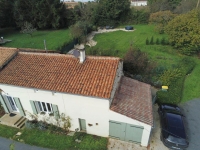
{"x": 176, "y": 140}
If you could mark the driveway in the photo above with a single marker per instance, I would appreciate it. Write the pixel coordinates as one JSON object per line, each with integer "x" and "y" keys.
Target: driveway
{"x": 114, "y": 144}
{"x": 155, "y": 142}
{"x": 191, "y": 110}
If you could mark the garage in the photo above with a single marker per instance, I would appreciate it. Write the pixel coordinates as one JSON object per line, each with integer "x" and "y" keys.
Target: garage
{"x": 126, "y": 132}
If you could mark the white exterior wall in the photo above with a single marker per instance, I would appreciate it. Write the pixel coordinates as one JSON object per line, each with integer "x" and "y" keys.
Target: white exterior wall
{"x": 121, "y": 118}
{"x": 93, "y": 110}
{"x": 139, "y": 3}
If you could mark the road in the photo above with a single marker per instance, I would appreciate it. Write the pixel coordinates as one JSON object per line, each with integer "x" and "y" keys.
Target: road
{"x": 5, "y": 144}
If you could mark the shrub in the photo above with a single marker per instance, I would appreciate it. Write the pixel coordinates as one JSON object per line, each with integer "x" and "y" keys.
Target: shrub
{"x": 175, "y": 79}
{"x": 170, "y": 76}
{"x": 147, "y": 41}
{"x": 162, "y": 41}
{"x": 152, "y": 41}
{"x": 157, "y": 41}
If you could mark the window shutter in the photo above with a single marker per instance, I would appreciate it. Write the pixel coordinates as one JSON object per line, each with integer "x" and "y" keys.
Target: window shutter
{"x": 55, "y": 111}
{"x": 33, "y": 107}
{"x": 19, "y": 105}
{"x": 4, "y": 104}
{"x": 37, "y": 106}
{"x": 7, "y": 103}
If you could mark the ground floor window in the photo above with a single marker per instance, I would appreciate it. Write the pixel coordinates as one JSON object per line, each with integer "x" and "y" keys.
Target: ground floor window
{"x": 45, "y": 107}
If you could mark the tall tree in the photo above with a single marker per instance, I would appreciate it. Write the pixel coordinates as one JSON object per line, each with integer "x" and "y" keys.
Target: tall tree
{"x": 42, "y": 14}
{"x": 184, "y": 32}
{"x": 111, "y": 11}
{"x": 160, "y": 19}
{"x": 162, "y": 5}
{"x": 6, "y": 13}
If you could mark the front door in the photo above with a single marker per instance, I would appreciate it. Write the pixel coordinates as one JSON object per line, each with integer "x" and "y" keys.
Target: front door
{"x": 82, "y": 124}
{"x": 12, "y": 104}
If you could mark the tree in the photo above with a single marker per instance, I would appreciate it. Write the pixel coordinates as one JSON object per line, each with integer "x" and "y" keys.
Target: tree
{"x": 28, "y": 28}
{"x": 160, "y": 19}
{"x": 162, "y": 5}
{"x": 137, "y": 62}
{"x": 184, "y": 32}
{"x": 186, "y": 6}
{"x": 110, "y": 11}
{"x": 6, "y": 13}
{"x": 42, "y": 14}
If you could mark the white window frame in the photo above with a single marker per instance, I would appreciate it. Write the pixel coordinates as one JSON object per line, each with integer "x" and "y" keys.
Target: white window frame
{"x": 43, "y": 106}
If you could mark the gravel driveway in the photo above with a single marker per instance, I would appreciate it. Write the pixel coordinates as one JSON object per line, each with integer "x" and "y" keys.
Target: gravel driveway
{"x": 191, "y": 110}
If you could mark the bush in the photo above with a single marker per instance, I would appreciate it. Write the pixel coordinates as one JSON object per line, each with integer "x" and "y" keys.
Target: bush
{"x": 175, "y": 79}
{"x": 163, "y": 41}
{"x": 152, "y": 41}
{"x": 147, "y": 41}
{"x": 157, "y": 41}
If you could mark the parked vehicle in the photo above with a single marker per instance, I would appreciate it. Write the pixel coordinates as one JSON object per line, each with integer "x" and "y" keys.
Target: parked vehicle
{"x": 173, "y": 133}
{"x": 129, "y": 28}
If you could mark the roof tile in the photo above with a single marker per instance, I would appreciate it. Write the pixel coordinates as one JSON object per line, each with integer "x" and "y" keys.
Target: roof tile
{"x": 62, "y": 73}
{"x": 133, "y": 100}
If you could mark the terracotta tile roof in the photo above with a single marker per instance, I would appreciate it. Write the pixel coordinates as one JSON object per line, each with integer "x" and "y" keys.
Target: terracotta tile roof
{"x": 6, "y": 54}
{"x": 133, "y": 100}
{"x": 62, "y": 73}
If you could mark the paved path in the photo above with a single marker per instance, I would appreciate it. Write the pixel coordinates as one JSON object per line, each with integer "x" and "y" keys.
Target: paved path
{"x": 191, "y": 110}
{"x": 5, "y": 143}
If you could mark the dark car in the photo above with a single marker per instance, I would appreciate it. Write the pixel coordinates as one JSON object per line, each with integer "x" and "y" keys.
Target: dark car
{"x": 173, "y": 133}
{"x": 129, "y": 28}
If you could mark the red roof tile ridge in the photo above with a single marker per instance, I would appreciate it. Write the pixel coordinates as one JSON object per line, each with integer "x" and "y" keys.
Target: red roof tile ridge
{"x": 71, "y": 56}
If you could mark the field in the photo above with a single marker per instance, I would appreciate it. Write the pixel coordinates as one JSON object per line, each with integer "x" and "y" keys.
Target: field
{"x": 55, "y": 39}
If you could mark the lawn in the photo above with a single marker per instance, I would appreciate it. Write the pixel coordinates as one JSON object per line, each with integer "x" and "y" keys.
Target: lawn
{"x": 165, "y": 56}
{"x": 55, "y": 141}
{"x": 192, "y": 84}
{"x": 121, "y": 40}
{"x": 55, "y": 39}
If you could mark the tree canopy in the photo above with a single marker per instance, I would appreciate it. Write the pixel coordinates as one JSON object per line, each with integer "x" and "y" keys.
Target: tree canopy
{"x": 40, "y": 13}
{"x": 6, "y": 13}
{"x": 160, "y": 19}
{"x": 184, "y": 32}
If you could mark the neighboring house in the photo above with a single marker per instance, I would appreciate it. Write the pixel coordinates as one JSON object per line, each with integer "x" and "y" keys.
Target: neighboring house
{"x": 91, "y": 90}
{"x": 138, "y": 3}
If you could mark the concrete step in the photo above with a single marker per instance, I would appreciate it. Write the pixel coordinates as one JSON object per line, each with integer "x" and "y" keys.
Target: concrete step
{"x": 20, "y": 123}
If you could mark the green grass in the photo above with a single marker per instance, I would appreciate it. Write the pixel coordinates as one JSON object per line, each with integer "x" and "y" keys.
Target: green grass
{"x": 55, "y": 39}
{"x": 55, "y": 141}
{"x": 120, "y": 40}
{"x": 8, "y": 132}
{"x": 63, "y": 142}
{"x": 192, "y": 84}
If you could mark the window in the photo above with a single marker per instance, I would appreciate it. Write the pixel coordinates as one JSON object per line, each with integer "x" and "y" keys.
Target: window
{"x": 45, "y": 107}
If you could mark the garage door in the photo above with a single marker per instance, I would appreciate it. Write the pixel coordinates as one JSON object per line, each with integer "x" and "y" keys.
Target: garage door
{"x": 125, "y": 131}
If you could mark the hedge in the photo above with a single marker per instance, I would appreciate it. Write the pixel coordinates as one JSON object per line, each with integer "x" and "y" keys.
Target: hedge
{"x": 174, "y": 93}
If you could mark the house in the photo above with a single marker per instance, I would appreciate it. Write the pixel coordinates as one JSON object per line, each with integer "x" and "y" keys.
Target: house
{"x": 91, "y": 90}
{"x": 138, "y": 3}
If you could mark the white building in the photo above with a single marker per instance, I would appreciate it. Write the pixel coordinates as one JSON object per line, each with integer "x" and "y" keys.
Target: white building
{"x": 93, "y": 93}
{"x": 138, "y": 3}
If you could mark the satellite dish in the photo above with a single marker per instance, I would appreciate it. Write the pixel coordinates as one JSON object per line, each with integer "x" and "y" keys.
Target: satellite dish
{"x": 76, "y": 53}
